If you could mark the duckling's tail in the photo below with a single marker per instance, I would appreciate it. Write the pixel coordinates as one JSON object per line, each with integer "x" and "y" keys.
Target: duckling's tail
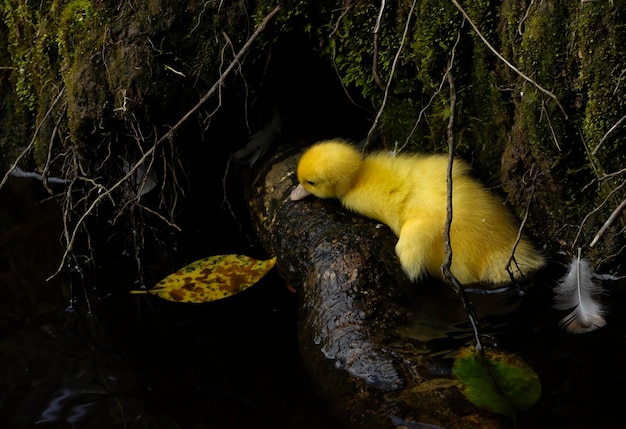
{"x": 526, "y": 261}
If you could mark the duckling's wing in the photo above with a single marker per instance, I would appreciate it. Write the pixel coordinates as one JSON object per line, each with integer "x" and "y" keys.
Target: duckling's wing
{"x": 415, "y": 247}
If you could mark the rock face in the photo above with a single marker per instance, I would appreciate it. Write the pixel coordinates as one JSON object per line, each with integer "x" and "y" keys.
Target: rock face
{"x": 354, "y": 301}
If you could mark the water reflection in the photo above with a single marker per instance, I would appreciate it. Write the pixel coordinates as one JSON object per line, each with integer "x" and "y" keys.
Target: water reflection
{"x": 139, "y": 362}
{"x": 136, "y": 362}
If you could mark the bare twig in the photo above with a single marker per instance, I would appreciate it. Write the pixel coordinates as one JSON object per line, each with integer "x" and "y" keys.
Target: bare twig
{"x": 343, "y": 86}
{"x": 619, "y": 81}
{"x": 46, "y": 168}
{"x": 71, "y": 237}
{"x": 447, "y": 263}
{"x": 160, "y": 216}
{"x": 608, "y": 222}
{"x": 556, "y": 140}
{"x": 391, "y": 73}
{"x": 580, "y": 227}
{"x": 218, "y": 84}
{"x": 614, "y": 255}
{"x": 604, "y": 176}
{"x": 504, "y": 60}
{"x": 375, "y": 73}
{"x": 33, "y": 139}
{"x": 603, "y": 139}
{"x": 345, "y": 11}
{"x": 521, "y": 23}
{"x": 225, "y": 203}
{"x": 347, "y": 8}
{"x": 519, "y": 232}
{"x": 432, "y": 97}
{"x": 592, "y": 160}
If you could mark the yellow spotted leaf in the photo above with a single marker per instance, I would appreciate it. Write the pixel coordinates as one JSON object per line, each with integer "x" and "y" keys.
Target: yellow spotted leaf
{"x": 211, "y": 278}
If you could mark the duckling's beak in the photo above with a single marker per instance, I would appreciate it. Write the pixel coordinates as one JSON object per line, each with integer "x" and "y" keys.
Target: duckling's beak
{"x": 298, "y": 193}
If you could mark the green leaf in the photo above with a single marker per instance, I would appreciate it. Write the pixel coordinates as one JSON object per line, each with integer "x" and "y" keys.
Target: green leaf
{"x": 498, "y": 381}
{"x": 211, "y": 278}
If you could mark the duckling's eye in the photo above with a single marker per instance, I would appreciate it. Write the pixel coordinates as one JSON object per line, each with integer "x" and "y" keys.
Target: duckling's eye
{"x": 310, "y": 183}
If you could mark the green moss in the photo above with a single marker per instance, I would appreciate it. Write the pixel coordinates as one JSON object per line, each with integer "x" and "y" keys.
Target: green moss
{"x": 417, "y": 106}
{"x": 545, "y": 125}
{"x": 484, "y": 114}
{"x": 436, "y": 25}
{"x": 575, "y": 51}
{"x": 602, "y": 56}
{"x": 128, "y": 72}
{"x": 541, "y": 57}
{"x": 32, "y": 51}
{"x": 77, "y": 20}
{"x": 44, "y": 39}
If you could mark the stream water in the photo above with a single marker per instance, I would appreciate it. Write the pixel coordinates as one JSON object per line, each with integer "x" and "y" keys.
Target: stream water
{"x": 133, "y": 361}
{"x": 107, "y": 359}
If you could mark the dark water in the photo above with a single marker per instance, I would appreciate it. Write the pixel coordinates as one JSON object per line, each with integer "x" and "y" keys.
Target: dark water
{"x": 582, "y": 376}
{"x": 121, "y": 361}
{"x": 112, "y": 360}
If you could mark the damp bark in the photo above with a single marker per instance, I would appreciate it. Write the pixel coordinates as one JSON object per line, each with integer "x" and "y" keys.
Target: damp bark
{"x": 353, "y": 301}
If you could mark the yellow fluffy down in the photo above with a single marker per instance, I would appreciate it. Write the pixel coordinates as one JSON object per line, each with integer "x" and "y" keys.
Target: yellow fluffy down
{"x": 409, "y": 194}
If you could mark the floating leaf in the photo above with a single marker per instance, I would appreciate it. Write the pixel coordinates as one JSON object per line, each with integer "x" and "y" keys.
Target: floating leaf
{"x": 211, "y": 278}
{"x": 499, "y": 381}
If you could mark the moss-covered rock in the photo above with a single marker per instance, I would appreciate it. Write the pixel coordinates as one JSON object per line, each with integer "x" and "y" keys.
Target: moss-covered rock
{"x": 97, "y": 79}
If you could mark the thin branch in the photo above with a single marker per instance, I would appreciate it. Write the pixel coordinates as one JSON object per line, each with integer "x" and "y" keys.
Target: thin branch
{"x": 617, "y": 124}
{"x": 432, "y": 97}
{"x": 223, "y": 76}
{"x": 597, "y": 169}
{"x": 375, "y": 73}
{"x": 519, "y": 232}
{"x": 343, "y": 86}
{"x": 446, "y": 233}
{"x": 614, "y": 255}
{"x": 447, "y": 263}
{"x": 521, "y": 23}
{"x": 605, "y": 176}
{"x": 504, "y": 60}
{"x": 580, "y": 227}
{"x": 556, "y": 140}
{"x": 71, "y": 238}
{"x": 32, "y": 140}
{"x": 391, "y": 73}
{"x": 608, "y": 222}
{"x": 619, "y": 80}
{"x": 346, "y": 10}
{"x": 421, "y": 115}
{"x": 46, "y": 168}
{"x": 160, "y": 216}
{"x": 344, "y": 13}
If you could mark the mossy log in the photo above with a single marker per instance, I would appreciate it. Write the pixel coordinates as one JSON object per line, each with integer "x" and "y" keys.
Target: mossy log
{"x": 354, "y": 300}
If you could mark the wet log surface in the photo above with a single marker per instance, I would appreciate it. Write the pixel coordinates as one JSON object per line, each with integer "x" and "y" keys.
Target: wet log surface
{"x": 355, "y": 302}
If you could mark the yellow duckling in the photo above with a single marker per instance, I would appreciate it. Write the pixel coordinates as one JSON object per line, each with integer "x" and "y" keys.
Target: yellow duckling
{"x": 409, "y": 194}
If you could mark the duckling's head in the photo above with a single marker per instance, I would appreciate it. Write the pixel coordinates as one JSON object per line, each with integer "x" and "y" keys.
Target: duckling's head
{"x": 327, "y": 170}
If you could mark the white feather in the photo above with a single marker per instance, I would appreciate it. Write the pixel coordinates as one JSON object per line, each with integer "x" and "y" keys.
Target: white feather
{"x": 578, "y": 289}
